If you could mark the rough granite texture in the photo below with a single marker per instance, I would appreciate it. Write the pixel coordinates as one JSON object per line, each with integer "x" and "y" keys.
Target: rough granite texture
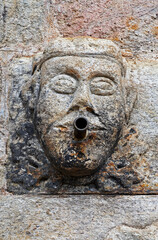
{"x": 79, "y": 217}
{"x": 133, "y": 166}
{"x": 26, "y": 28}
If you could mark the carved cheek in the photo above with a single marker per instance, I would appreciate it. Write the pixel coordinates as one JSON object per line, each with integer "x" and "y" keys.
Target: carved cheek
{"x": 103, "y": 92}
{"x": 110, "y": 108}
{"x": 51, "y": 105}
{"x": 59, "y": 103}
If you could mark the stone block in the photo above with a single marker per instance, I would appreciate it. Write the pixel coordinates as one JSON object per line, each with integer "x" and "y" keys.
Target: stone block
{"x": 132, "y": 166}
{"x": 79, "y": 217}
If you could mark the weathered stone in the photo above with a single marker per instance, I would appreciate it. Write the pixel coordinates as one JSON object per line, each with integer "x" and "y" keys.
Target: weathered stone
{"x": 79, "y": 217}
{"x": 132, "y": 24}
{"x": 23, "y": 21}
{"x": 2, "y": 20}
{"x": 132, "y": 167}
{"x": 125, "y": 232}
{"x": 3, "y": 131}
{"x": 26, "y": 28}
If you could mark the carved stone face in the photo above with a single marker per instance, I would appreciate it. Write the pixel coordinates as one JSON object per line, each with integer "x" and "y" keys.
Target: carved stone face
{"x": 74, "y": 86}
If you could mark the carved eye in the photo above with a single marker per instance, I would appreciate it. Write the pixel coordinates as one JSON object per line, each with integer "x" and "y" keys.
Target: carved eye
{"x": 64, "y": 84}
{"x": 102, "y": 86}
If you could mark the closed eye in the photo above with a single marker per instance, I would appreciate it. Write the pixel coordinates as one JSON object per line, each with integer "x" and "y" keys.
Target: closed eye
{"x": 64, "y": 84}
{"x": 102, "y": 86}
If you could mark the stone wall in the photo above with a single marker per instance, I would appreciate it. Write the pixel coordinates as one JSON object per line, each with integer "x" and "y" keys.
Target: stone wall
{"x": 26, "y": 28}
{"x": 79, "y": 217}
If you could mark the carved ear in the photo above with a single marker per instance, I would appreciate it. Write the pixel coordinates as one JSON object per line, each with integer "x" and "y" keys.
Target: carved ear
{"x": 130, "y": 92}
{"x": 30, "y": 92}
{"x": 131, "y": 97}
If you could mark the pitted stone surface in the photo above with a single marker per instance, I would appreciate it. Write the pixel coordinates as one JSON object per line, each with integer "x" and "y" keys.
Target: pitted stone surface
{"x": 132, "y": 25}
{"x": 2, "y": 20}
{"x": 132, "y": 168}
{"x": 79, "y": 217}
{"x": 3, "y": 130}
{"x": 26, "y": 28}
{"x": 22, "y": 21}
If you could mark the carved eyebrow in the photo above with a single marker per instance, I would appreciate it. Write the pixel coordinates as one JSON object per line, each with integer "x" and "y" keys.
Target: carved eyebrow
{"x": 72, "y": 73}
{"x": 106, "y": 75}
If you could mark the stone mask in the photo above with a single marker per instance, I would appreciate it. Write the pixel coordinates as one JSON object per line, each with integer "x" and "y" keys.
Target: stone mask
{"x": 83, "y": 79}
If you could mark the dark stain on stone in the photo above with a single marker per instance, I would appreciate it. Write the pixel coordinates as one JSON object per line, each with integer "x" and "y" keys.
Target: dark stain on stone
{"x": 4, "y": 14}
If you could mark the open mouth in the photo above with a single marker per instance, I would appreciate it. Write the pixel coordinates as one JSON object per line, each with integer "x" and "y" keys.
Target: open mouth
{"x": 78, "y": 127}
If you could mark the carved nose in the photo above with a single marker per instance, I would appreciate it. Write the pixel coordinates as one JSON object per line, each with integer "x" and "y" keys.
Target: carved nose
{"x": 82, "y": 100}
{"x": 80, "y": 127}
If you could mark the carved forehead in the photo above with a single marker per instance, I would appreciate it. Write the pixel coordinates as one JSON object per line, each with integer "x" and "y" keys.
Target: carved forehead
{"x": 81, "y": 46}
{"x": 81, "y": 66}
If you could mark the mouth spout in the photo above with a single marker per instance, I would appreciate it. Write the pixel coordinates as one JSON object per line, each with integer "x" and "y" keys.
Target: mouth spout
{"x": 80, "y": 127}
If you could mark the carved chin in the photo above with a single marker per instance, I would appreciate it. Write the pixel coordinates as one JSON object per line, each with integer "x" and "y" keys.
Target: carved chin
{"x": 77, "y": 158}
